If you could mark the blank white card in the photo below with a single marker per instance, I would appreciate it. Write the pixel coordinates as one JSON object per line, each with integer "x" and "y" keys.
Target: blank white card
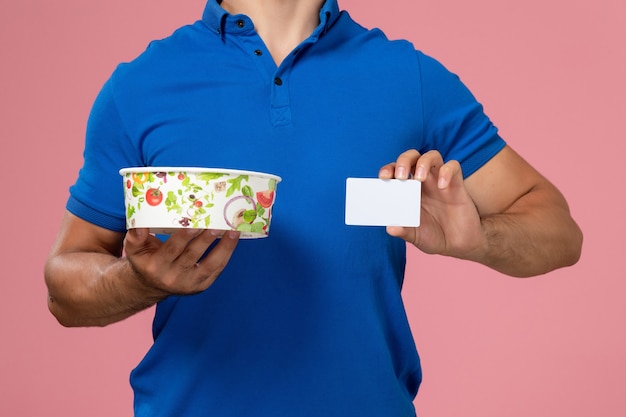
{"x": 376, "y": 202}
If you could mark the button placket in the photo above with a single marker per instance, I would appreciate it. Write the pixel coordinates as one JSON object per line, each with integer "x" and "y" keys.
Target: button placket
{"x": 281, "y": 105}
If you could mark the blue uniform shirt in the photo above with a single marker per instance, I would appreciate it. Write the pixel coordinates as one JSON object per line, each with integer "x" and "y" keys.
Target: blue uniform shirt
{"x": 309, "y": 321}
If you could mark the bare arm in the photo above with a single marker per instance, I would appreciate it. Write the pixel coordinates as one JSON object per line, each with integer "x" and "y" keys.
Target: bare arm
{"x": 506, "y": 215}
{"x": 90, "y": 283}
{"x": 526, "y": 220}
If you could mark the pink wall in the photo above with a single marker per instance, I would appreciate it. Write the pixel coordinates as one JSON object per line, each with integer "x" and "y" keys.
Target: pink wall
{"x": 549, "y": 72}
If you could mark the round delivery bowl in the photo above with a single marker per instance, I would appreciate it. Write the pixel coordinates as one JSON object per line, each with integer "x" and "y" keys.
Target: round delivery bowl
{"x": 166, "y": 199}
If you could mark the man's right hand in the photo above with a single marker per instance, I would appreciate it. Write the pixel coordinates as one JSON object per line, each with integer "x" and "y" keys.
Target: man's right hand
{"x": 175, "y": 266}
{"x": 91, "y": 283}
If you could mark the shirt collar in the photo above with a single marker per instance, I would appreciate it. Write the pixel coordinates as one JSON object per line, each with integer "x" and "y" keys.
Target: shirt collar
{"x": 214, "y": 16}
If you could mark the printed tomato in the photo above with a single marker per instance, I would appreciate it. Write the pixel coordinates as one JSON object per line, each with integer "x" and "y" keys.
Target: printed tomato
{"x": 154, "y": 196}
{"x": 265, "y": 198}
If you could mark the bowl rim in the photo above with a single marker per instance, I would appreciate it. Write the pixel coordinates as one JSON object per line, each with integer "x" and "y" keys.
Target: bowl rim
{"x": 196, "y": 170}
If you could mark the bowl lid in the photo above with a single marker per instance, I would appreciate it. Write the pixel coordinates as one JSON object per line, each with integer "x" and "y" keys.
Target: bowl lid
{"x": 197, "y": 170}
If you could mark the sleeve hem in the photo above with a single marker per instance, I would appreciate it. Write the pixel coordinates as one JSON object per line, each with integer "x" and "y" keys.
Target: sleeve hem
{"x": 96, "y": 217}
{"x": 482, "y": 156}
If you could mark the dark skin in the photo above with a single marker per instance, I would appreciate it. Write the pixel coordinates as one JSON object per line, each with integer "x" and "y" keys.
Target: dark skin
{"x": 91, "y": 284}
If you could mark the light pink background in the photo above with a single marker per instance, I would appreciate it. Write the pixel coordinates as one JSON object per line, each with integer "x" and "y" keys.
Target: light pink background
{"x": 549, "y": 72}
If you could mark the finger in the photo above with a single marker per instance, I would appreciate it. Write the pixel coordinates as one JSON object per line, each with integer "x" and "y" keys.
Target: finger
{"x": 200, "y": 241}
{"x": 405, "y": 164}
{"x": 387, "y": 171}
{"x": 449, "y": 171}
{"x": 429, "y": 162}
{"x": 176, "y": 244}
{"x": 216, "y": 260}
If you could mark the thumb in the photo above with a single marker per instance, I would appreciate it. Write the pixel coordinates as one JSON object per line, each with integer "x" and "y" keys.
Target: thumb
{"x": 406, "y": 233}
{"x": 140, "y": 233}
{"x": 137, "y": 237}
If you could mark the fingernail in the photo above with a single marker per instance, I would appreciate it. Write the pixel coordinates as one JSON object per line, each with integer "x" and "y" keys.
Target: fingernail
{"x": 420, "y": 174}
{"x": 442, "y": 182}
{"x": 215, "y": 232}
{"x": 401, "y": 172}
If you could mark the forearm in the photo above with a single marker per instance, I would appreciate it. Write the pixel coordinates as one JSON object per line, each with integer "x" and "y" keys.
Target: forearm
{"x": 505, "y": 215}
{"x": 534, "y": 236}
{"x": 95, "y": 289}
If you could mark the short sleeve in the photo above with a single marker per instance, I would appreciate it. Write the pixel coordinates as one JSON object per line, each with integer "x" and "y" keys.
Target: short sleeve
{"x": 97, "y": 195}
{"x": 454, "y": 121}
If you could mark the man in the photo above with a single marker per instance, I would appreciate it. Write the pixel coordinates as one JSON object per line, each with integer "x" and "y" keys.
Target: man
{"x": 310, "y": 321}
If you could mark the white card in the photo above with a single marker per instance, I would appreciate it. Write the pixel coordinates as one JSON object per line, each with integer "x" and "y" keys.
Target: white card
{"x": 376, "y": 202}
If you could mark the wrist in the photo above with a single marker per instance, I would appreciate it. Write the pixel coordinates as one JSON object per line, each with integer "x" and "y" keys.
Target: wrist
{"x": 486, "y": 244}
{"x": 147, "y": 292}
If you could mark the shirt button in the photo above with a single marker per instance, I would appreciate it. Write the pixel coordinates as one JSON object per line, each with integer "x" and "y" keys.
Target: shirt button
{"x": 278, "y": 81}
{"x": 241, "y": 23}
{"x": 258, "y": 52}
